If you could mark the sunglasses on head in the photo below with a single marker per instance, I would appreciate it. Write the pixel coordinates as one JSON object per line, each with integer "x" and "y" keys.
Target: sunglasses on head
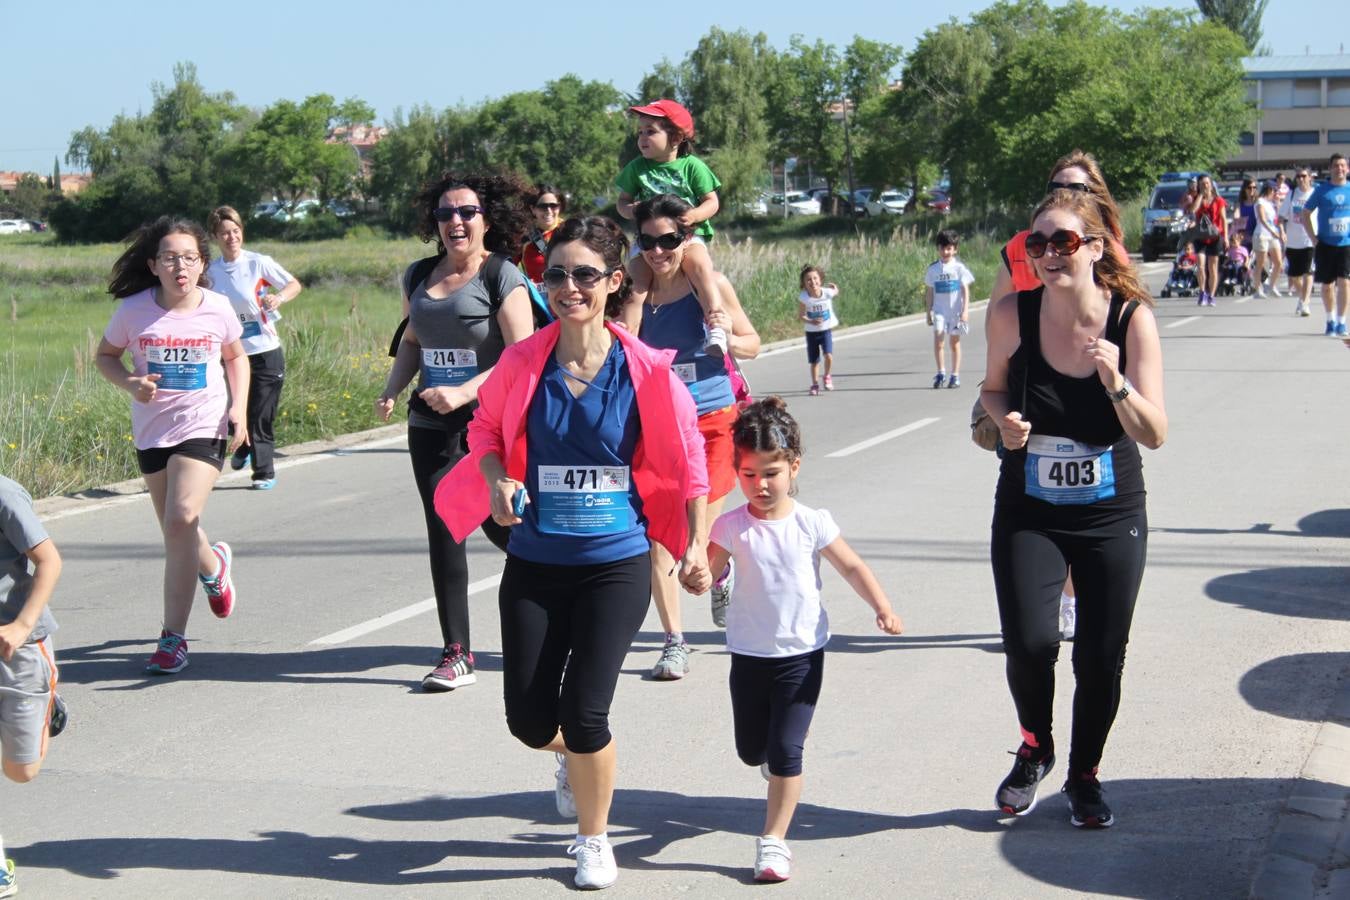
{"x": 465, "y": 213}
{"x": 582, "y": 276}
{"x": 548, "y": 206}
{"x": 668, "y": 241}
{"x": 1068, "y": 186}
{"x": 1066, "y": 243}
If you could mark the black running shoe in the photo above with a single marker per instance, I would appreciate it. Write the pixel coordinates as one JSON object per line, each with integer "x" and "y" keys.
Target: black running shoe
{"x": 1085, "y": 797}
{"x": 57, "y": 723}
{"x": 1017, "y": 794}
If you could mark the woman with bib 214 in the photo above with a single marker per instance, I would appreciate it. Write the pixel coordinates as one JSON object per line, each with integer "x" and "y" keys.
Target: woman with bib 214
{"x": 1074, "y": 379}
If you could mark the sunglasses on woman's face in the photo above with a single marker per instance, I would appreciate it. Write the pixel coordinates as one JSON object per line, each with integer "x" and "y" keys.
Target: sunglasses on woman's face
{"x": 668, "y": 241}
{"x": 584, "y": 277}
{"x": 542, "y": 206}
{"x": 465, "y": 213}
{"x": 1065, "y": 243}
{"x": 1068, "y": 186}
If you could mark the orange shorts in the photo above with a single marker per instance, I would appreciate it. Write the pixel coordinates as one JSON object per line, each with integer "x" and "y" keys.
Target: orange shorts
{"x": 716, "y": 430}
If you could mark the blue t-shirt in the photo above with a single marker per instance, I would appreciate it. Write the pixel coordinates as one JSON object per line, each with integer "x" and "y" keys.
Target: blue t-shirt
{"x": 584, "y": 508}
{"x": 679, "y": 326}
{"x": 1332, "y": 203}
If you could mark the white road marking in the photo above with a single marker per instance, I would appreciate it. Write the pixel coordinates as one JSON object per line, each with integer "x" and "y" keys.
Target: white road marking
{"x": 398, "y": 615}
{"x": 1179, "y": 322}
{"x": 881, "y": 438}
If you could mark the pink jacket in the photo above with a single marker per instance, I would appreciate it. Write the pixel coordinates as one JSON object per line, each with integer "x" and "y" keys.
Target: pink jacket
{"x": 669, "y": 464}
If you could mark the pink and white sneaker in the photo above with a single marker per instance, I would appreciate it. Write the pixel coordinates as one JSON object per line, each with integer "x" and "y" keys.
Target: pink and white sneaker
{"x": 220, "y": 589}
{"x": 170, "y": 656}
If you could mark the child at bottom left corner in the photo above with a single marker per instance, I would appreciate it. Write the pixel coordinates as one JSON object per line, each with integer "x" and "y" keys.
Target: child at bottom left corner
{"x": 30, "y": 711}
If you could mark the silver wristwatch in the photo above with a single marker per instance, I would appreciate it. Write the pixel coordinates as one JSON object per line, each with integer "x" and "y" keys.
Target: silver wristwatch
{"x": 1125, "y": 390}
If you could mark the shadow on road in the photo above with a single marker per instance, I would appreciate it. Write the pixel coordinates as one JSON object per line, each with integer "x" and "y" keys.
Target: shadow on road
{"x": 1308, "y": 592}
{"x": 1297, "y": 686}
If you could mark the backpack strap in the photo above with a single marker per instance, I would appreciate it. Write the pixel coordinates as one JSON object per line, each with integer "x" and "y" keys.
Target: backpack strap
{"x": 414, "y": 275}
{"x": 1118, "y": 324}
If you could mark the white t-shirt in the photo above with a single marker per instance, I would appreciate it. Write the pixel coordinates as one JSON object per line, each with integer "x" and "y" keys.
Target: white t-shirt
{"x": 1297, "y": 236}
{"x": 819, "y": 310}
{"x": 946, "y": 280}
{"x": 246, "y": 281}
{"x": 776, "y": 609}
{"x": 1271, "y": 230}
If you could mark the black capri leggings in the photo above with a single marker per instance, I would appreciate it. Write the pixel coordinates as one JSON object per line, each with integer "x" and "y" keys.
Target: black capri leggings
{"x": 1031, "y": 552}
{"x": 772, "y": 702}
{"x": 565, "y": 633}
{"x": 434, "y": 452}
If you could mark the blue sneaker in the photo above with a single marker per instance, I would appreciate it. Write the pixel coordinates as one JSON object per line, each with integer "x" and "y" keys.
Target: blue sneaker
{"x": 1341, "y": 330}
{"x": 1331, "y": 329}
{"x": 237, "y": 462}
{"x": 264, "y": 484}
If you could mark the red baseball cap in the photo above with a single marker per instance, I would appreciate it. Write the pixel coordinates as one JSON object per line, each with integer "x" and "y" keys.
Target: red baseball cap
{"x": 669, "y": 109}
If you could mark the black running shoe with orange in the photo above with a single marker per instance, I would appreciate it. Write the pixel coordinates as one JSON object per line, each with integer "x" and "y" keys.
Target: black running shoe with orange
{"x": 1085, "y": 798}
{"x": 1017, "y": 794}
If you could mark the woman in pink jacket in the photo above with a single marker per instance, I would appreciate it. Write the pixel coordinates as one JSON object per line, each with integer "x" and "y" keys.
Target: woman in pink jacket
{"x": 587, "y": 446}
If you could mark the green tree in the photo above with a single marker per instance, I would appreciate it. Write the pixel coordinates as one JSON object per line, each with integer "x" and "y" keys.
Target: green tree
{"x": 29, "y": 197}
{"x": 55, "y": 183}
{"x": 289, "y": 153}
{"x": 418, "y": 147}
{"x": 1242, "y": 17}
{"x": 803, "y": 91}
{"x": 725, "y": 76}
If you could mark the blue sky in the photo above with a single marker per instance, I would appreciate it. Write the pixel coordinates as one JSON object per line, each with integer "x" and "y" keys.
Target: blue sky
{"x": 104, "y": 56}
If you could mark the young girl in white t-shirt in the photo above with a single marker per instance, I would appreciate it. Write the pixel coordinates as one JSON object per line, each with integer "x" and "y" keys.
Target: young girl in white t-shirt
{"x": 817, "y": 313}
{"x": 776, "y": 626}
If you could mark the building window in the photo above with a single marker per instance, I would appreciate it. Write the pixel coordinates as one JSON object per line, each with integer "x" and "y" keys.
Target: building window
{"x": 1246, "y": 139}
{"x": 1338, "y": 92}
{"x": 1272, "y": 138}
{"x": 1338, "y": 136}
{"x": 1308, "y": 92}
{"x": 1253, "y": 89}
{"x": 1277, "y": 93}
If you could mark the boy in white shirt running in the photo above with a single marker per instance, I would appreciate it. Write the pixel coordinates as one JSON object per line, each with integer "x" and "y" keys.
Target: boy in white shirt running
{"x": 947, "y": 298}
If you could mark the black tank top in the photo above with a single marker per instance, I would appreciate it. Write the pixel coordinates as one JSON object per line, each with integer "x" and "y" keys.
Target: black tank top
{"x": 1077, "y": 409}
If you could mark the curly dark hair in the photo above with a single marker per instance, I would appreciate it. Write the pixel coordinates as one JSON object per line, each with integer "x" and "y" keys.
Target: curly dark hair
{"x": 131, "y": 273}
{"x": 662, "y": 206}
{"x": 502, "y": 198}
{"x": 606, "y": 239}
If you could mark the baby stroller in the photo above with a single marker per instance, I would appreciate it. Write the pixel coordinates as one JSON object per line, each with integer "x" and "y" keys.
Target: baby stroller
{"x": 1234, "y": 278}
{"x": 1182, "y": 281}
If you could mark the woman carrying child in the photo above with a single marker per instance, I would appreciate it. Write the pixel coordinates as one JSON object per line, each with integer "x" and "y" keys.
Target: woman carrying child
{"x": 777, "y": 628}
{"x": 178, "y": 333}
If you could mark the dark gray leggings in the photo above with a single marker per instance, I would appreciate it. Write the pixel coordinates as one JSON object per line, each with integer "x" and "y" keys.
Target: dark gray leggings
{"x": 565, "y": 633}
{"x": 773, "y": 699}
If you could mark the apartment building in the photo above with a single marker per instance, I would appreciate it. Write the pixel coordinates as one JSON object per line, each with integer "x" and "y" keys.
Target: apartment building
{"x": 1303, "y": 104}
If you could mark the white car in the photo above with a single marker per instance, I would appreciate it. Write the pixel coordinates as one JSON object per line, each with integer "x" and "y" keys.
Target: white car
{"x": 798, "y": 204}
{"x": 13, "y": 226}
{"x": 888, "y": 202}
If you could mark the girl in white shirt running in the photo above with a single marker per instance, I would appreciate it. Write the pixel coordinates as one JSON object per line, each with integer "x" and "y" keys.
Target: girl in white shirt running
{"x": 776, "y": 626}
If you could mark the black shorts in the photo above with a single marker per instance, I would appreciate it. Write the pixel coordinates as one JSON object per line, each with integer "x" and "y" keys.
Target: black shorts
{"x": 209, "y": 450}
{"x": 1209, "y": 248}
{"x": 1300, "y": 261}
{"x": 816, "y": 341}
{"x": 1332, "y": 263}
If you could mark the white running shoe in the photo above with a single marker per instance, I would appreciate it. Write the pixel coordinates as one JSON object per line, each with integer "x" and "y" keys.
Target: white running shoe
{"x": 596, "y": 867}
{"x": 1275, "y": 291}
{"x": 1261, "y": 293}
{"x": 562, "y": 790}
{"x": 716, "y": 345}
{"x": 773, "y": 860}
{"x": 1068, "y": 616}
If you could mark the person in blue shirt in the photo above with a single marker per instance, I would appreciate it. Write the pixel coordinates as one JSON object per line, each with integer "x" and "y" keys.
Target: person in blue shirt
{"x": 1331, "y": 201}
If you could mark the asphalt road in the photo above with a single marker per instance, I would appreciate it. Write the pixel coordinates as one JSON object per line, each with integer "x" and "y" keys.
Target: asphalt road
{"x": 295, "y": 756}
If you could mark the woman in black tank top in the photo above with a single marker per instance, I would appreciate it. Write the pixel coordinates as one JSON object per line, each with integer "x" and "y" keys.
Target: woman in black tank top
{"x": 1074, "y": 379}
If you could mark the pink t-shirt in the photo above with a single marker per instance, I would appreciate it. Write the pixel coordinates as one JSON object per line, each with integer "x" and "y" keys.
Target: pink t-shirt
{"x": 184, "y": 348}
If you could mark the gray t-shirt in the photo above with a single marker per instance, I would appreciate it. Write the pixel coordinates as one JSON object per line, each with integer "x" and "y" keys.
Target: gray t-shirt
{"x": 460, "y": 337}
{"x": 20, "y": 531}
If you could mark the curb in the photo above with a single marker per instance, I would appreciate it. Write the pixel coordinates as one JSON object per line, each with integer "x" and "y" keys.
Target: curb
{"x": 1308, "y": 856}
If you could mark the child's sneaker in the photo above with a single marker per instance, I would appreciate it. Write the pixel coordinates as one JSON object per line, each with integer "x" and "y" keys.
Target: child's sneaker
{"x": 954, "y": 381}
{"x": 829, "y": 383}
{"x": 773, "y": 860}
{"x": 57, "y": 723}
{"x": 170, "y": 656}
{"x": 815, "y": 388}
{"x": 562, "y": 790}
{"x": 220, "y": 589}
{"x": 596, "y": 868}
{"x": 1017, "y": 794}
{"x": 1085, "y": 798}
{"x": 716, "y": 345}
{"x": 938, "y": 379}
{"x": 455, "y": 671}
{"x": 264, "y": 484}
{"x": 237, "y": 462}
{"x": 674, "y": 662}
{"x": 721, "y": 597}
{"x": 9, "y": 884}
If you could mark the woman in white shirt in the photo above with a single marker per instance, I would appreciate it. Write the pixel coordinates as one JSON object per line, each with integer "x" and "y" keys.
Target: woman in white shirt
{"x": 1268, "y": 242}
{"x": 1298, "y": 242}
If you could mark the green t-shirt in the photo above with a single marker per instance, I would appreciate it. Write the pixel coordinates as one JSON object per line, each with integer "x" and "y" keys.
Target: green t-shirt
{"x": 687, "y": 177}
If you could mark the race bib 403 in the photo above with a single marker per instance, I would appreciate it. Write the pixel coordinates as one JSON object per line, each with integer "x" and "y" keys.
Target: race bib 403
{"x": 1062, "y": 471}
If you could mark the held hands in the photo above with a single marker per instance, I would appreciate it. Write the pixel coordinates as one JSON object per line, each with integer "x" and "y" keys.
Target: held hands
{"x": 501, "y": 495}
{"x": 143, "y": 387}
{"x": 694, "y": 574}
{"x": 12, "y": 637}
{"x": 1106, "y": 356}
{"x": 1014, "y": 431}
{"x": 444, "y": 399}
{"x": 889, "y": 622}
{"x": 718, "y": 318}
{"x": 238, "y": 423}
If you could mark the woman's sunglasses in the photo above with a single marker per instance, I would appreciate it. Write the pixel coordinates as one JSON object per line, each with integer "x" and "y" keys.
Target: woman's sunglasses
{"x": 1066, "y": 243}
{"x": 465, "y": 213}
{"x": 548, "y": 206}
{"x": 584, "y": 277}
{"x": 668, "y": 241}
{"x": 1052, "y": 186}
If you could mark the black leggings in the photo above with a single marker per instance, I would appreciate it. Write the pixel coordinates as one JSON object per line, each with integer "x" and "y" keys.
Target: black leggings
{"x": 434, "y": 452}
{"x": 1031, "y": 551}
{"x": 267, "y": 373}
{"x": 565, "y": 633}
{"x": 772, "y": 702}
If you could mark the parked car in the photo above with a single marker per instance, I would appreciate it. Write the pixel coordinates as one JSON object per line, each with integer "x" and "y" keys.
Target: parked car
{"x": 340, "y": 209}
{"x": 35, "y": 225}
{"x": 756, "y": 207}
{"x": 798, "y": 204}
{"x": 272, "y": 209}
{"x": 304, "y": 209}
{"x": 1164, "y": 221}
{"x": 888, "y": 203}
{"x": 11, "y": 226}
{"x": 939, "y": 201}
{"x": 862, "y": 195}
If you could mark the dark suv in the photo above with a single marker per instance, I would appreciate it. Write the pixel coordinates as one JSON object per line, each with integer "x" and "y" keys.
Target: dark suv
{"x": 1165, "y": 223}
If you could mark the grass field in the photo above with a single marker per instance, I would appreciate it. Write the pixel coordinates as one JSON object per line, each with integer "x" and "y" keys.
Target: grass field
{"x": 65, "y": 429}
